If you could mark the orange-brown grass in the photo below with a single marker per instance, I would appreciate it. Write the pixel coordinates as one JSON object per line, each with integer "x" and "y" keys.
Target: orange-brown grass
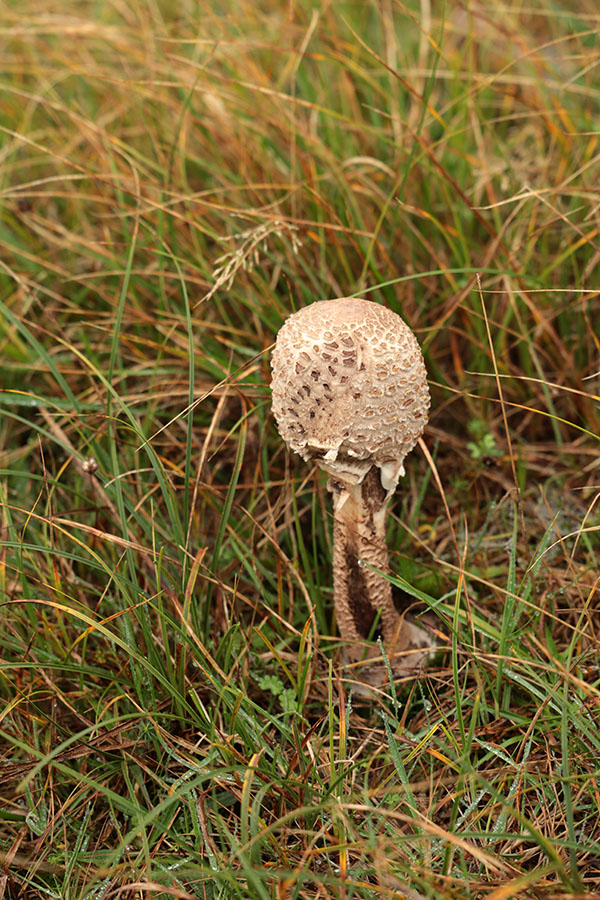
{"x": 177, "y": 179}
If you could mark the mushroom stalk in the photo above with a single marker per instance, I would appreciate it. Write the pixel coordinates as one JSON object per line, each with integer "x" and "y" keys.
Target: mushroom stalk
{"x": 363, "y": 600}
{"x": 363, "y": 597}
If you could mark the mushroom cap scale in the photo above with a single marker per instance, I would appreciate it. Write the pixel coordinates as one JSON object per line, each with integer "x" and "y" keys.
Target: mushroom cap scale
{"x": 350, "y": 388}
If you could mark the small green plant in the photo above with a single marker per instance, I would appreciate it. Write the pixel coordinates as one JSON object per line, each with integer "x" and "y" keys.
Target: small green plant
{"x": 484, "y": 443}
{"x": 286, "y": 696}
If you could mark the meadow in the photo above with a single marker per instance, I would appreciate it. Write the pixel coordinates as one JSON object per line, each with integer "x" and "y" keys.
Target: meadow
{"x": 175, "y": 716}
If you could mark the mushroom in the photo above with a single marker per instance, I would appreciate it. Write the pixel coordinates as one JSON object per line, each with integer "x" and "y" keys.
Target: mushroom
{"x": 350, "y": 392}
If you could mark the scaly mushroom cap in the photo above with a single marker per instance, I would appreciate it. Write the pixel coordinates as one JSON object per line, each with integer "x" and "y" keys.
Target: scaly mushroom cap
{"x": 350, "y": 388}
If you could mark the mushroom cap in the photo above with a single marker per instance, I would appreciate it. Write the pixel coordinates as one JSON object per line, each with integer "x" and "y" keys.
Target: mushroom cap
{"x": 350, "y": 388}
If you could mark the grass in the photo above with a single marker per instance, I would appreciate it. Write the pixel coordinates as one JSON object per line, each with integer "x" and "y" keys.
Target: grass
{"x": 175, "y": 180}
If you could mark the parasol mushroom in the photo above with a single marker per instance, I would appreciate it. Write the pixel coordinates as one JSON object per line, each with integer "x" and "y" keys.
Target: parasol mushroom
{"x": 350, "y": 393}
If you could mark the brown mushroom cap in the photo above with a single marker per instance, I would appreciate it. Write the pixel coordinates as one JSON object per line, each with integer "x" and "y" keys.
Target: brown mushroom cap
{"x": 350, "y": 388}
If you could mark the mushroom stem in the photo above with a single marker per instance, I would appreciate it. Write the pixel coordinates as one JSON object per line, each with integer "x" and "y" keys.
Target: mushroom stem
{"x": 362, "y": 596}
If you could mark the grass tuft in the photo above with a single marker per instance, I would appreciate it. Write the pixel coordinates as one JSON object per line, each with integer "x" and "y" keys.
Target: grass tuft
{"x": 174, "y": 717}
